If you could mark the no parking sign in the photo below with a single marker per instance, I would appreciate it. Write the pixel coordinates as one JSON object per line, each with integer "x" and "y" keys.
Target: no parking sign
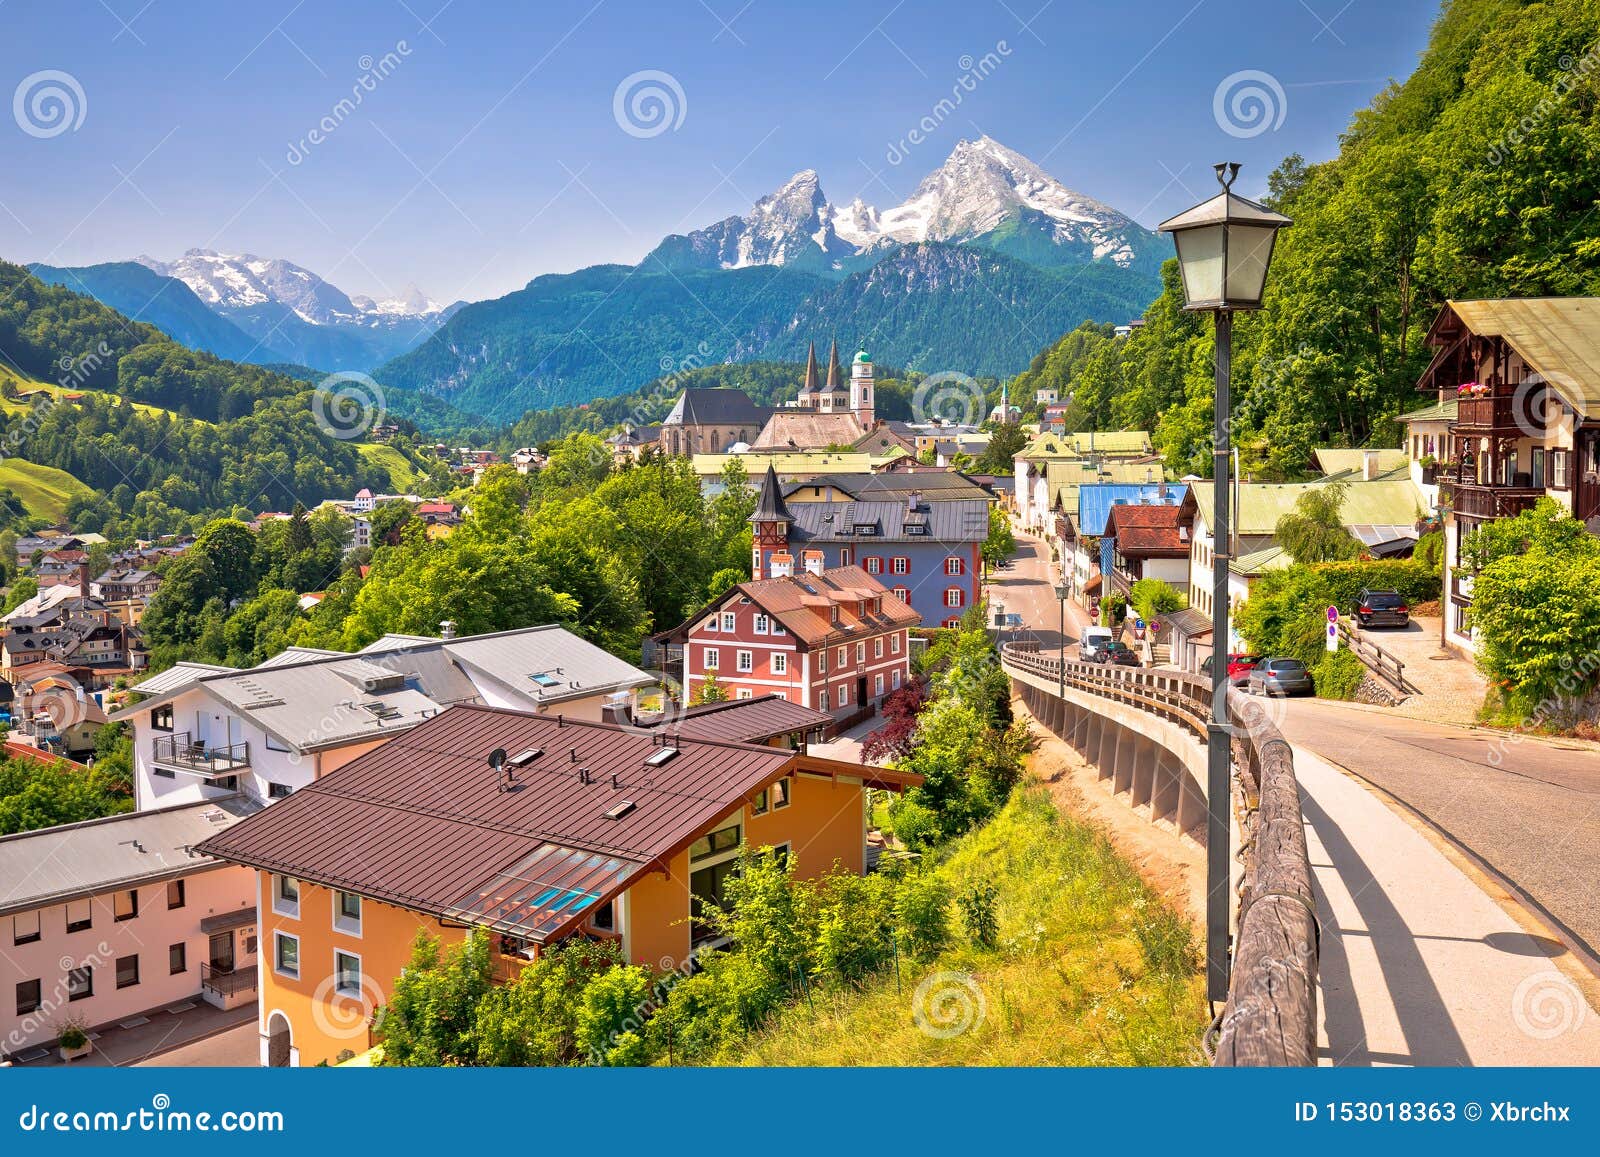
{"x": 1333, "y": 628}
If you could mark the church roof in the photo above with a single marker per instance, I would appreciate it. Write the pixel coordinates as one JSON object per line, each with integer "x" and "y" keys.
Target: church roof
{"x": 801, "y": 429}
{"x": 701, "y": 406}
{"x": 810, "y": 386}
{"x": 833, "y": 365}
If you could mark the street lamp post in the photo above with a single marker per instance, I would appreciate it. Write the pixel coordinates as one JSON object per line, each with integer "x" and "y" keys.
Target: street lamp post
{"x": 1224, "y": 248}
{"x": 1063, "y": 589}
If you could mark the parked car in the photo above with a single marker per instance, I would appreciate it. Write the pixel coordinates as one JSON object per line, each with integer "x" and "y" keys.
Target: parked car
{"x": 1239, "y": 667}
{"x": 1117, "y": 652}
{"x": 1091, "y": 641}
{"x": 1382, "y": 609}
{"x": 1279, "y": 677}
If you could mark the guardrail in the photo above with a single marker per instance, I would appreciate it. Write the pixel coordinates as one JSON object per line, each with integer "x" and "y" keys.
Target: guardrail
{"x": 227, "y": 981}
{"x": 1270, "y": 1017}
{"x": 1382, "y": 663}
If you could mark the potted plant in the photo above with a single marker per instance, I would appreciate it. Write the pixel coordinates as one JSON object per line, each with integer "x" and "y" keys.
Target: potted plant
{"x": 73, "y": 1039}
{"x": 1430, "y": 469}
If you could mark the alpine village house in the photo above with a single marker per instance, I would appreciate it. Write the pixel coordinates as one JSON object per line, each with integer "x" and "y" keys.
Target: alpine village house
{"x": 1523, "y": 376}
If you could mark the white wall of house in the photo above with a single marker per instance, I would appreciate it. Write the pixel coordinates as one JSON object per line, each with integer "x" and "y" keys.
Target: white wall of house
{"x": 149, "y": 935}
{"x": 1173, "y": 571}
{"x": 198, "y": 714}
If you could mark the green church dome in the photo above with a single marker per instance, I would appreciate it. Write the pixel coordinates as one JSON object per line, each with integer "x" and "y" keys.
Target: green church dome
{"x": 861, "y": 358}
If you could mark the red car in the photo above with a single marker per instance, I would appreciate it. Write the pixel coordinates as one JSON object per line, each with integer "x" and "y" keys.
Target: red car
{"x": 1239, "y": 667}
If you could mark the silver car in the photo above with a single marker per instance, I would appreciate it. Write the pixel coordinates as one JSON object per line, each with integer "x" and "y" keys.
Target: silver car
{"x": 1280, "y": 677}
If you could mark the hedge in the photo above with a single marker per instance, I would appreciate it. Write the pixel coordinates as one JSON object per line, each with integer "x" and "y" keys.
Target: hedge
{"x": 1415, "y": 581}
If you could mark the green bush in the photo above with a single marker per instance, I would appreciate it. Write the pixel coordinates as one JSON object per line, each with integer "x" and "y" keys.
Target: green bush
{"x": 1153, "y": 598}
{"x": 979, "y": 915}
{"x": 922, "y": 911}
{"x": 1338, "y": 674}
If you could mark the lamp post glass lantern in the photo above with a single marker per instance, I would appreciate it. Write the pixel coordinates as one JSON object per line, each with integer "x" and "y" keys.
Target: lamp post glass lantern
{"x": 1224, "y": 249}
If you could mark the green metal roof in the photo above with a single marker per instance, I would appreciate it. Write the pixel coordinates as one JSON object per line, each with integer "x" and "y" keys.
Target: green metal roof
{"x": 1438, "y": 412}
{"x": 1261, "y": 504}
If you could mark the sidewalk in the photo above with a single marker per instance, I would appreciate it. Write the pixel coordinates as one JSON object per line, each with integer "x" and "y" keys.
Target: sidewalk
{"x": 1420, "y": 965}
{"x": 162, "y": 1032}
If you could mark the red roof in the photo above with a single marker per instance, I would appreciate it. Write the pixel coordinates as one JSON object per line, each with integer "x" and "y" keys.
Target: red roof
{"x": 804, "y": 604}
{"x": 1155, "y": 531}
{"x": 423, "y": 821}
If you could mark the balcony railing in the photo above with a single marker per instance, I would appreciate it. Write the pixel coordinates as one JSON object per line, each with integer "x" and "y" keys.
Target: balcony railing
{"x": 1474, "y": 501}
{"x": 1490, "y": 412}
{"x": 184, "y": 751}
{"x": 226, "y": 982}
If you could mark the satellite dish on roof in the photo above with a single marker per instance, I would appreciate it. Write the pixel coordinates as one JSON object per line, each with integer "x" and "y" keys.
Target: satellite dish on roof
{"x": 497, "y": 758}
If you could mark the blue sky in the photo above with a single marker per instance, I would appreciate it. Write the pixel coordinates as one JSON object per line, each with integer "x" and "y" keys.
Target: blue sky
{"x": 490, "y": 152}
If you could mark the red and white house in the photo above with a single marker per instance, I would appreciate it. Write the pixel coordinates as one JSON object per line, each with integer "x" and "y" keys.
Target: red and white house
{"x": 838, "y": 641}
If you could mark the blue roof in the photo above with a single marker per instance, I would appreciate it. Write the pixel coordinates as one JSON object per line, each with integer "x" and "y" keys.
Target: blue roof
{"x": 1095, "y": 500}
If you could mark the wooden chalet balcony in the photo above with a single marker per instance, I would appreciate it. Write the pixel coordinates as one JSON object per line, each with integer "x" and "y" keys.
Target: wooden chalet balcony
{"x": 1474, "y": 501}
{"x": 186, "y": 753}
{"x": 1491, "y": 412}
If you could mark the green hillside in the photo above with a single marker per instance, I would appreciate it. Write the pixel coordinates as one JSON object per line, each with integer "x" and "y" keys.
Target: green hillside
{"x": 44, "y": 490}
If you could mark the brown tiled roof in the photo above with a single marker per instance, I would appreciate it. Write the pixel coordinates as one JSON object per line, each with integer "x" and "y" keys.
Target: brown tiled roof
{"x": 1148, "y": 531}
{"x": 422, "y": 821}
{"x": 808, "y": 430}
{"x": 802, "y": 604}
{"x": 747, "y": 720}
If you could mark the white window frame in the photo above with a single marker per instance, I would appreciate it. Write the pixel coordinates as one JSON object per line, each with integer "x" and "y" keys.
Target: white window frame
{"x": 280, "y": 904}
{"x": 953, "y": 597}
{"x": 861, "y": 652}
{"x": 761, "y": 624}
{"x": 894, "y": 643}
{"x": 780, "y": 662}
{"x": 347, "y": 925}
{"x": 900, "y": 565}
{"x": 744, "y": 662}
{"x": 894, "y": 679}
{"x": 843, "y": 657}
{"x": 822, "y": 700}
{"x": 877, "y": 685}
{"x": 877, "y": 647}
{"x": 338, "y": 988}
{"x": 953, "y": 566}
{"x": 712, "y": 659}
{"x": 730, "y": 622}
{"x": 844, "y": 694}
{"x": 277, "y": 954}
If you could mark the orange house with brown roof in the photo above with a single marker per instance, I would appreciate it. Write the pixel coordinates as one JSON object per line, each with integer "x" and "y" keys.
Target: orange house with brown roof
{"x": 583, "y": 829}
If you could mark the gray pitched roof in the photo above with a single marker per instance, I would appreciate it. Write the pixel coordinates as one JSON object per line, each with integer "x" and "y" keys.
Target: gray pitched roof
{"x": 715, "y": 407}
{"x": 68, "y": 862}
{"x": 312, "y": 700}
{"x": 963, "y": 521}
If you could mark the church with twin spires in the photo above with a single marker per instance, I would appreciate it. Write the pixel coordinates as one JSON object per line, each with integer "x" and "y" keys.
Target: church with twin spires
{"x": 826, "y": 414}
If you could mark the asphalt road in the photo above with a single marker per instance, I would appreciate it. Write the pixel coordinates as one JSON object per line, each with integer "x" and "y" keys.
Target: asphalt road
{"x": 1530, "y": 810}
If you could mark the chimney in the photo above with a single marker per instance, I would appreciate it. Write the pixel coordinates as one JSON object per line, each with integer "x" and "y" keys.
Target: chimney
{"x": 615, "y": 710}
{"x": 447, "y": 629}
{"x": 1369, "y": 465}
{"x": 914, "y": 503}
{"x": 83, "y": 578}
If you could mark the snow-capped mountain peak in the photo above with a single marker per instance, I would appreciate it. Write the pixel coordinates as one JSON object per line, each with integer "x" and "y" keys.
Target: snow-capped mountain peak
{"x": 983, "y": 192}
{"x": 243, "y": 281}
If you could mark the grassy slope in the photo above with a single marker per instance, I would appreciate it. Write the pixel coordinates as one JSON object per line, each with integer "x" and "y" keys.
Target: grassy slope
{"x": 1090, "y": 969}
{"x": 400, "y": 471}
{"x": 26, "y": 384}
{"x": 44, "y": 490}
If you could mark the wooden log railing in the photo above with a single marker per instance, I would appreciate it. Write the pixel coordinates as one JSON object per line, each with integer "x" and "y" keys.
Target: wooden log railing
{"x": 1383, "y": 663}
{"x": 1270, "y": 1017}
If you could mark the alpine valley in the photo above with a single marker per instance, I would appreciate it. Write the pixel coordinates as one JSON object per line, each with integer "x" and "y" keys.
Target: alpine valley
{"x": 988, "y": 260}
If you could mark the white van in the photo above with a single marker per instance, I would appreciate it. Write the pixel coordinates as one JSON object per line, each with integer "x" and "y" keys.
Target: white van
{"x": 1093, "y": 639}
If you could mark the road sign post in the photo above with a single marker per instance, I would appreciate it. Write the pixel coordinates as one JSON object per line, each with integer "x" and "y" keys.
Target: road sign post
{"x": 1333, "y": 628}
